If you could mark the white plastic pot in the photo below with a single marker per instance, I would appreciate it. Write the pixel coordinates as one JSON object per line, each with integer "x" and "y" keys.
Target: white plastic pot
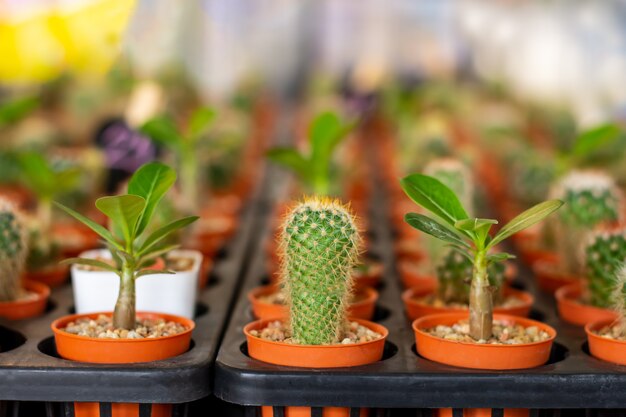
{"x": 96, "y": 291}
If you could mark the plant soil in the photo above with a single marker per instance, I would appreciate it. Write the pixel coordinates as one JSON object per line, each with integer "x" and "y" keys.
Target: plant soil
{"x": 277, "y": 331}
{"x": 615, "y": 331}
{"x": 434, "y": 301}
{"x": 503, "y": 333}
{"x": 102, "y": 328}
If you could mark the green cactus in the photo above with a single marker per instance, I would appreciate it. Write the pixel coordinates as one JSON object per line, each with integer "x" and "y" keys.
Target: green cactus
{"x": 591, "y": 199}
{"x": 604, "y": 254}
{"x": 319, "y": 246}
{"x": 13, "y": 251}
{"x": 619, "y": 297}
{"x": 454, "y": 274}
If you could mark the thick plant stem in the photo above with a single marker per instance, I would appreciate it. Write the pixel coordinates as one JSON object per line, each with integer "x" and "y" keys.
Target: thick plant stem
{"x": 124, "y": 313}
{"x": 481, "y": 305}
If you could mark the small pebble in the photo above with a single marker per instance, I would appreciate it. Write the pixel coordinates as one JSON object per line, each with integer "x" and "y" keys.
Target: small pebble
{"x": 503, "y": 333}
{"x": 102, "y": 328}
{"x": 276, "y": 331}
{"x": 615, "y": 331}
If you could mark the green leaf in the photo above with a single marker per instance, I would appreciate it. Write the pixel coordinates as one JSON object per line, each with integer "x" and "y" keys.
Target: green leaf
{"x": 433, "y": 228}
{"x": 145, "y": 272}
{"x": 290, "y": 158}
{"x": 200, "y": 121}
{"x": 100, "y": 230}
{"x": 90, "y": 262}
{"x": 480, "y": 227}
{"x": 526, "y": 219}
{"x": 42, "y": 179}
{"x": 434, "y": 196}
{"x": 156, "y": 252}
{"x": 594, "y": 139}
{"x": 163, "y": 130}
{"x": 152, "y": 181}
{"x": 124, "y": 211}
{"x": 462, "y": 250}
{"x": 500, "y": 257}
{"x": 156, "y": 236}
{"x": 15, "y": 110}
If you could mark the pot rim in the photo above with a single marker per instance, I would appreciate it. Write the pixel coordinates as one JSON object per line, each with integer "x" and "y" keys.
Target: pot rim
{"x": 549, "y": 329}
{"x": 366, "y": 323}
{"x": 39, "y": 288}
{"x": 590, "y": 327}
{"x": 567, "y": 295}
{"x": 190, "y": 324}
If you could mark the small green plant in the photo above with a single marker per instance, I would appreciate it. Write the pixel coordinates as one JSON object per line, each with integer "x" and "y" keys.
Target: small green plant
{"x": 470, "y": 236}
{"x": 455, "y": 175}
{"x": 314, "y": 170}
{"x": 133, "y": 246}
{"x": 604, "y": 253}
{"x": 47, "y": 183}
{"x": 186, "y": 146}
{"x": 592, "y": 199}
{"x": 319, "y": 245}
{"x": 13, "y": 251}
{"x": 454, "y": 274}
{"x": 15, "y": 110}
{"x": 619, "y": 297}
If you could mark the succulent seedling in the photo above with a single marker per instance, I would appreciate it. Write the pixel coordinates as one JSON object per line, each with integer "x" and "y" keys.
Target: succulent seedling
{"x": 133, "y": 246}
{"x": 47, "y": 183}
{"x": 605, "y": 253}
{"x": 319, "y": 245}
{"x": 186, "y": 147}
{"x": 470, "y": 236}
{"x": 13, "y": 251}
{"x": 591, "y": 199}
{"x": 619, "y": 297}
{"x": 314, "y": 169}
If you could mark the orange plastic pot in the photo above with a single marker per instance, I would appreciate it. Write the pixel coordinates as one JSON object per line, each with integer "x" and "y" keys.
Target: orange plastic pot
{"x": 211, "y": 233}
{"x": 29, "y": 307}
{"x": 573, "y": 311}
{"x": 481, "y": 356}
{"x": 609, "y": 350}
{"x": 362, "y": 309}
{"x": 116, "y": 351}
{"x": 53, "y": 275}
{"x": 484, "y": 412}
{"x": 549, "y": 277}
{"x": 308, "y": 356}
{"x": 413, "y": 277}
{"x": 205, "y": 271}
{"x": 416, "y": 309}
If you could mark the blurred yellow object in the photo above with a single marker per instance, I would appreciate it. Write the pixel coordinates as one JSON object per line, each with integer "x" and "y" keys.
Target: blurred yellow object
{"x": 80, "y": 37}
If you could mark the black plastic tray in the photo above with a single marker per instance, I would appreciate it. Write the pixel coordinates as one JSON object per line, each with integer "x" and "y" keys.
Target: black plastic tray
{"x": 34, "y": 372}
{"x": 571, "y": 379}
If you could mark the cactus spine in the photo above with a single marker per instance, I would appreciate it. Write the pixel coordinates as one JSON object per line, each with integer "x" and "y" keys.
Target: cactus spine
{"x": 454, "y": 274}
{"x": 13, "y": 251}
{"x": 591, "y": 199}
{"x": 604, "y": 254}
{"x": 319, "y": 246}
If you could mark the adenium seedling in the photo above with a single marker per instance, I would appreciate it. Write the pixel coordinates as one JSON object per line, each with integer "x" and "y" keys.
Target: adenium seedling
{"x": 470, "y": 237}
{"x": 185, "y": 145}
{"x": 326, "y": 132}
{"x": 133, "y": 248}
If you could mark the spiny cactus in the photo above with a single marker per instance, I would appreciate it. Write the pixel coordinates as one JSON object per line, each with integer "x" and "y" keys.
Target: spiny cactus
{"x": 13, "y": 251}
{"x": 591, "y": 198}
{"x": 454, "y": 274}
{"x": 319, "y": 246}
{"x": 456, "y": 176}
{"x": 604, "y": 254}
{"x": 619, "y": 296}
